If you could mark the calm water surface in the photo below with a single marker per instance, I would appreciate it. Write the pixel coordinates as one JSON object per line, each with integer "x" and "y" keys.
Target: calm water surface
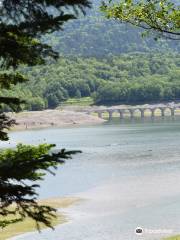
{"x": 128, "y": 174}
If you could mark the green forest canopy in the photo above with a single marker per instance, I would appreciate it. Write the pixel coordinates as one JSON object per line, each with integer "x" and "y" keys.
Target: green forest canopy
{"x": 106, "y": 60}
{"x": 128, "y": 78}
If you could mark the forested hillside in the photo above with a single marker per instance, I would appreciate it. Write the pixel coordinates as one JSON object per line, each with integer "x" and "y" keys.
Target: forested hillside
{"x": 93, "y": 35}
{"x": 129, "y": 78}
{"x": 106, "y": 60}
{"x": 100, "y": 38}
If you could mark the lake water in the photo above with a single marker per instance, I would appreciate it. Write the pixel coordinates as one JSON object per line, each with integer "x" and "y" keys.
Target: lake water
{"x": 128, "y": 174}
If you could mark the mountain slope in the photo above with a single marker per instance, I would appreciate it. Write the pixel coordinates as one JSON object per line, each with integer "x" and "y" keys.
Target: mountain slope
{"x": 94, "y": 35}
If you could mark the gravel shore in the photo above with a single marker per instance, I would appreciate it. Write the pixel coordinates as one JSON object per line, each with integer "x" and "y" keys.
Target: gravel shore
{"x": 52, "y": 118}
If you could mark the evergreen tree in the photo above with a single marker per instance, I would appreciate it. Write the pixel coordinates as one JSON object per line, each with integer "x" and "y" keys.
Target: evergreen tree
{"x": 22, "y": 23}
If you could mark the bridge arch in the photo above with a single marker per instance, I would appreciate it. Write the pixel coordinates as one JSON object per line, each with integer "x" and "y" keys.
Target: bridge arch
{"x": 148, "y": 112}
{"x": 153, "y": 111}
{"x": 169, "y": 111}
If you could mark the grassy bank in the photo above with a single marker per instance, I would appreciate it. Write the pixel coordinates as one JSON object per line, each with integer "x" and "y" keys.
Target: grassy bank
{"x": 84, "y": 101}
{"x": 29, "y": 226}
{"x": 173, "y": 238}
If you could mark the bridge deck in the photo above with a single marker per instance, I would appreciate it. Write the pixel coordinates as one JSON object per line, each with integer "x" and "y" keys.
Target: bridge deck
{"x": 162, "y": 109}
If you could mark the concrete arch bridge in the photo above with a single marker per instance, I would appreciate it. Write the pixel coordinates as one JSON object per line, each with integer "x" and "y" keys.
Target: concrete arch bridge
{"x": 154, "y": 111}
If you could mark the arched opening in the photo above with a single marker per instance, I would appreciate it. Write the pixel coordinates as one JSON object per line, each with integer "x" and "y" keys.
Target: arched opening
{"x": 116, "y": 113}
{"x": 168, "y": 112}
{"x": 126, "y": 113}
{"x": 157, "y": 112}
{"x": 137, "y": 112}
{"x": 148, "y": 112}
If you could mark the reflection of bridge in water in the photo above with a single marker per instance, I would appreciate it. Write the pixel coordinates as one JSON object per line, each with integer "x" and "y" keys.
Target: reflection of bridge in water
{"x": 133, "y": 111}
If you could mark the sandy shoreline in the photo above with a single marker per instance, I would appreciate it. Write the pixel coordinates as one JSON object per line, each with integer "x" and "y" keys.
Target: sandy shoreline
{"x": 52, "y": 118}
{"x": 15, "y": 230}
